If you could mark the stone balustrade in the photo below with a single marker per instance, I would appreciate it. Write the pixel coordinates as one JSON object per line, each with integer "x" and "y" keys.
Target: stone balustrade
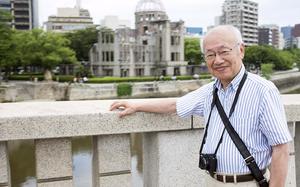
{"x": 170, "y": 144}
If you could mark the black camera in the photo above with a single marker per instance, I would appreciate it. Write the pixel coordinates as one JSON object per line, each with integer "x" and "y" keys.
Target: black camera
{"x": 208, "y": 162}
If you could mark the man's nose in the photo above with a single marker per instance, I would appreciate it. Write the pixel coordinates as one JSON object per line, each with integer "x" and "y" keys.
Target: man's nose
{"x": 218, "y": 58}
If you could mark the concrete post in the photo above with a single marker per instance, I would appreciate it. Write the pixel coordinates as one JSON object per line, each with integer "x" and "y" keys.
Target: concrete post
{"x": 297, "y": 151}
{"x": 54, "y": 162}
{"x": 4, "y": 166}
{"x": 171, "y": 159}
{"x": 291, "y": 177}
{"x": 114, "y": 161}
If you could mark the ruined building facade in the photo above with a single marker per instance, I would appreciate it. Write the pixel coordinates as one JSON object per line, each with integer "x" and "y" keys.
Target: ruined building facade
{"x": 155, "y": 47}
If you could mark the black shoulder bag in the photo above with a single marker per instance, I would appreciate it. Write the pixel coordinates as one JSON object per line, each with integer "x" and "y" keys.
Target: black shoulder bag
{"x": 253, "y": 167}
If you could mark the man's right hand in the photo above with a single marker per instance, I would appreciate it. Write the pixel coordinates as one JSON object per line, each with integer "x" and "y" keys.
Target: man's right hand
{"x": 126, "y": 108}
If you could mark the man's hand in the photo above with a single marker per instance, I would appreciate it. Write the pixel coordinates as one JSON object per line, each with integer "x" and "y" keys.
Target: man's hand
{"x": 161, "y": 106}
{"x": 125, "y": 107}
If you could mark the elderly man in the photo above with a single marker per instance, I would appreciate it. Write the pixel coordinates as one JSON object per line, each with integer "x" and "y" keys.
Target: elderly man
{"x": 251, "y": 105}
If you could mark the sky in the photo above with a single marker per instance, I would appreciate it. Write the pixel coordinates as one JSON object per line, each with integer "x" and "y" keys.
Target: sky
{"x": 195, "y": 13}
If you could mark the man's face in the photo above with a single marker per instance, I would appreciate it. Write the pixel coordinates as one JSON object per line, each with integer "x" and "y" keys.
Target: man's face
{"x": 223, "y": 56}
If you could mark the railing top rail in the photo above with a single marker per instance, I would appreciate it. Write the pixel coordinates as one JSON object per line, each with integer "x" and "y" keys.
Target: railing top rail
{"x": 37, "y": 120}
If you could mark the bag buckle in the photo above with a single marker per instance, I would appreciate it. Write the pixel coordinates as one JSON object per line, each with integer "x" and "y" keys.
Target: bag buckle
{"x": 249, "y": 160}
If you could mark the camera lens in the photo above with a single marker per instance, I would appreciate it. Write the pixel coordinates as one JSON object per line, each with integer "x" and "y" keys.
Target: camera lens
{"x": 202, "y": 162}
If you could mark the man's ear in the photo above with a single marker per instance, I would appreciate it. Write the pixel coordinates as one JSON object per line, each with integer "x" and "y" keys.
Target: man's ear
{"x": 242, "y": 50}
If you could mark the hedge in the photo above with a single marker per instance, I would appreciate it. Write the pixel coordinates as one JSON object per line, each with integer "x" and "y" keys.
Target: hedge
{"x": 97, "y": 80}
{"x": 124, "y": 89}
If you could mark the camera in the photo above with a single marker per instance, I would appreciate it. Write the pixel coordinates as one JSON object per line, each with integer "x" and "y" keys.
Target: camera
{"x": 208, "y": 162}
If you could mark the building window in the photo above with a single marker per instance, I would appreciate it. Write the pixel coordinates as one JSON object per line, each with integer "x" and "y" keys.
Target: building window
{"x": 103, "y": 37}
{"x": 107, "y": 56}
{"x": 107, "y": 38}
{"x": 96, "y": 57}
{"x": 111, "y": 56}
{"x": 175, "y": 56}
{"x": 112, "y": 37}
{"x": 172, "y": 56}
{"x": 139, "y": 72}
{"x": 124, "y": 72}
{"x": 145, "y": 29}
{"x": 103, "y": 56}
{"x": 175, "y": 40}
{"x": 176, "y": 71}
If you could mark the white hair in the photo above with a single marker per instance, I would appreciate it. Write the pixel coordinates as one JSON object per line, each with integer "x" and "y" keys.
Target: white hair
{"x": 231, "y": 28}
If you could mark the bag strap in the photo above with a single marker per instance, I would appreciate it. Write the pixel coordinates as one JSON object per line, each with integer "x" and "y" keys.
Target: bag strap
{"x": 249, "y": 159}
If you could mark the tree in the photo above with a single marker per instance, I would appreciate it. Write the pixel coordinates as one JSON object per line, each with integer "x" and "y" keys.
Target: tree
{"x": 257, "y": 55}
{"x": 285, "y": 61}
{"x": 82, "y": 41}
{"x": 296, "y": 56}
{"x": 46, "y": 50}
{"x": 192, "y": 52}
{"x": 5, "y": 39}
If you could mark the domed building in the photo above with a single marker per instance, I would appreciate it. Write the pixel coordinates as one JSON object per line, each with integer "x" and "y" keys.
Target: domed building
{"x": 155, "y": 47}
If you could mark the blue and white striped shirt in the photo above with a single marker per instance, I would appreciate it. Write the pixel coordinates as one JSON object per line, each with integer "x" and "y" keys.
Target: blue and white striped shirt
{"x": 259, "y": 119}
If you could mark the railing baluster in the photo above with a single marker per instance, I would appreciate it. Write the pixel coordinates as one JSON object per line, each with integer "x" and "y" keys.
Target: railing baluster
{"x": 114, "y": 160}
{"x": 54, "y": 162}
{"x": 4, "y": 165}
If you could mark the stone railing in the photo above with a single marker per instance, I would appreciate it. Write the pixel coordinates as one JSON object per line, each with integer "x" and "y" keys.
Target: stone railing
{"x": 170, "y": 144}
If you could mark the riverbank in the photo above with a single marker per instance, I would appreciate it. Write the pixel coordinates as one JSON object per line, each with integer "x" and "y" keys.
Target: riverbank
{"x": 25, "y": 91}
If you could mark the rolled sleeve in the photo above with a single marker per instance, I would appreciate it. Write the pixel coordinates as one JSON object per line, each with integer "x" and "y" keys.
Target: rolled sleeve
{"x": 273, "y": 120}
{"x": 193, "y": 103}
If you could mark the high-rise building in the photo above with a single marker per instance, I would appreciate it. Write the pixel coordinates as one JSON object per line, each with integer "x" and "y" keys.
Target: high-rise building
{"x": 296, "y": 31}
{"x": 24, "y": 13}
{"x": 287, "y": 35}
{"x": 264, "y": 36}
{"x": 268, "y": 35}
{"x": 155, "y": 47}
{"x": 287, "y": 31}
{"x": 242, "y": 14}
{"x": 194, "y": 31}
{"x": 5, "y": 5}
{"x": 69, "y": 19}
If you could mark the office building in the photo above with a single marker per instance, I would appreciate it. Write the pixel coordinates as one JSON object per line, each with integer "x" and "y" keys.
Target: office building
{"x": 194, "y": 31}
{"x": 243, "y": 14}
{"x": 269, "y": 35}
{"x": 69, "y": 19}
{"x": 24, "y": 13}
{"x": 296, "y": 31}
{"x": 113, "y": 22}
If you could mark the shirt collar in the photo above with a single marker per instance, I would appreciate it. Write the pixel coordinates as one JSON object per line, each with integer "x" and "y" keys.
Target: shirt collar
{"x": 234, "y": 84}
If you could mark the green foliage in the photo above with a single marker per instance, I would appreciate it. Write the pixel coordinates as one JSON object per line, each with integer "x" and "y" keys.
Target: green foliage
{"x": 258, "y": 55}
{"x": 124, "y": 89}
{"x": 296, "y": 56}
{"x": 40, "y": 76}
{"x": 285, "y": 62}
{"x": 47, "y": 49}
{"x": 38, "y": 48}
{"x": 139, "y": 79}
{"x": 5, "y": 39}
{"x": 192, "y": 51}
{"x": 267, "y": 70}
{"x": 81, "y": 71}
{"x": 81, "y": 41}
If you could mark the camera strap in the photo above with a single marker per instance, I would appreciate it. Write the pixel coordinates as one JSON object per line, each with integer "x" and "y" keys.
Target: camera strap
{"x": 230, "y": 113}
{"x": 249, "y": 159}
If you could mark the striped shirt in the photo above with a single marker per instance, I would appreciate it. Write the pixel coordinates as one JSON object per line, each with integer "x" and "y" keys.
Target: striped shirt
{"x": 259, "y": 119}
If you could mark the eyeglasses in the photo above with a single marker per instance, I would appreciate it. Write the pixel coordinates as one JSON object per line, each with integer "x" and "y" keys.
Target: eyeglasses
{"x": 223, "y": 52}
